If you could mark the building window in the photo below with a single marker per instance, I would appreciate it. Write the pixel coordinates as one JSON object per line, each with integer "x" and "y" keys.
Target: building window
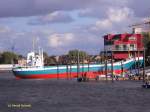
{"x": 132, "y": 47}
{"x": 124, "y": 47}
{"x": 117, "y": 47}
{"x": 132, "y": 38}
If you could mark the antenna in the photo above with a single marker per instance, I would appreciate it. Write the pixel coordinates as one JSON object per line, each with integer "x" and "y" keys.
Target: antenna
{"x": 33, "y": 44}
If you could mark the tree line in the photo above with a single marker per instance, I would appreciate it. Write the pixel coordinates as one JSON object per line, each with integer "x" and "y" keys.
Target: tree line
{"x": 8, "y": 57}
{"x": 71, "y": 57}
{"x": 146, "y": 42}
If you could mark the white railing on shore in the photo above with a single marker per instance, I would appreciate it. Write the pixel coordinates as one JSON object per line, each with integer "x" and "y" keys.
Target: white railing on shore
{"x": 6, "y": 66}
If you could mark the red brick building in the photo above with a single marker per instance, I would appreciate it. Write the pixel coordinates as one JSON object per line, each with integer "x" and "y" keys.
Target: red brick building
{"x": 123, "y": 46}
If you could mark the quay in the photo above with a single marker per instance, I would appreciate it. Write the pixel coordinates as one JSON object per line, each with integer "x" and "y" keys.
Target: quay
{"x": 6, "y": 67}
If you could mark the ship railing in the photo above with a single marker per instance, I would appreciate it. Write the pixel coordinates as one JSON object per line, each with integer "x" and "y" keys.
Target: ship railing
{"x": 27, "y": 67}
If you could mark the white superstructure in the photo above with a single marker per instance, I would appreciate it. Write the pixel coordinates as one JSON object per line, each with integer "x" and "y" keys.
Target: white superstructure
{"x": 35, "y": 59}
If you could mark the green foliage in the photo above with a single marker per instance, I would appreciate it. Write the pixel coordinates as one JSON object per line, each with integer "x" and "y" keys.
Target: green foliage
{"x": 49, "y": 60}
{"x": 146, "y": 39}
{"x": 146, "y": 42}
{"x": 8, "y": 58}
{"x": 73, "y": 55}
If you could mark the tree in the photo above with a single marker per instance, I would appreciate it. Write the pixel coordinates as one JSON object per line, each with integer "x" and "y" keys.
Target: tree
{"x": 45, "y": 56}
{"x": 73, "y": 55}
{"x": 51, "y": 60}
{"x": 8, "y": 58}
{"x": 63, "y": 60}
{"x": 146, "y": 42}
{"x": 146, "y": 39}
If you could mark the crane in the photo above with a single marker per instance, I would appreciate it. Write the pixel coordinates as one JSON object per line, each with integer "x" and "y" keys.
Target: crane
{"x": 140, "y": 27}
{"x": 146, "y": 22}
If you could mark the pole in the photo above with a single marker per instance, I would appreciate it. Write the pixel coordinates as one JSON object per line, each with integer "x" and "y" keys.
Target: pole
{"x": 89, "y": 64}
{"x": 144, "y": 65}
{"x": 70, "y": 75}
{"x": 121, "y": 69}
{"x": 78, "y": 65}
{"x": 105, "y": 58}
{"x": 112, "y": 66}
{"x": 67, "y": 70}
{"x": 57, "y": 71}
{"x": 33, "y": 44}
{"x": 82, "y": 65}
{"x": 106, "y": 66}
{"x": 138, "y": 64}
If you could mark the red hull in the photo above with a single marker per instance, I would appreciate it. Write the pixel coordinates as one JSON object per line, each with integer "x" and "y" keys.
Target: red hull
{"x": 46, "y": 76}
{"x": 64, "y": 75}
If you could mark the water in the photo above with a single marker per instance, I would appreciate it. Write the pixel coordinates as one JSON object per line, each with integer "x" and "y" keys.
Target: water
{"x": 69, "y": 96}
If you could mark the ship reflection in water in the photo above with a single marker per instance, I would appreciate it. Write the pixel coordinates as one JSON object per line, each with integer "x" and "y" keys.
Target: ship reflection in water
{"x": 69, "y": 96}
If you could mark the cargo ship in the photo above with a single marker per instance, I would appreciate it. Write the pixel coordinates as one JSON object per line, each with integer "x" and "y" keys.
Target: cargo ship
{"x": 35, "y": 68}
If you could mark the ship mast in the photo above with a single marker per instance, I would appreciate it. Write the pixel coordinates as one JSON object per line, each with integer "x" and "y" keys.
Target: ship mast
{"x": 33, "y": 44}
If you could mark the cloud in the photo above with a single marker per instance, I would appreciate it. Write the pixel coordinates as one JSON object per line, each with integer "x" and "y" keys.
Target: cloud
{"x": 116, "y": 20}
{"x": 55, "y": 17}
{"x": 119, "y": 14}
{"x": 4, "y": 29}
{"x": 20, "y": 8}
{"x": 93, "y": 12}
{"x": 93, "y": 19}
{"x": 6, "y": 37}
{"x": 100, "y": 8}
{"x": 60, "y": 40}
{"x": 141, "y": 8}
{"x": 102, "y": 24}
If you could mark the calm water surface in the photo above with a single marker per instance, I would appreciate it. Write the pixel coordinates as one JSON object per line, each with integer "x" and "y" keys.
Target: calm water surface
{"x": 63, "y": 95}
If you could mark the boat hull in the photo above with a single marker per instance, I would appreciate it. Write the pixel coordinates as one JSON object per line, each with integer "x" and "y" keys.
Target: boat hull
{"x": 64, "y": 71}
{"x": 45, "y": 76}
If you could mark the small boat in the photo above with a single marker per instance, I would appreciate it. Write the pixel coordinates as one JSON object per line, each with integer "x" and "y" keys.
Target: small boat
{"x": 146, "y": 85}
{"x": 147, "y": 81}
{"x": 35, "y": 68}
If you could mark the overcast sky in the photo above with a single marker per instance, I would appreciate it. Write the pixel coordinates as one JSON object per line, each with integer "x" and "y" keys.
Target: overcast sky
{"x": 61, "y": 25}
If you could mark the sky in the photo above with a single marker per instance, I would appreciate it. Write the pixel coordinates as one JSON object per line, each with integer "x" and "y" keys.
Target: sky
{"x": 58, "y": 26}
